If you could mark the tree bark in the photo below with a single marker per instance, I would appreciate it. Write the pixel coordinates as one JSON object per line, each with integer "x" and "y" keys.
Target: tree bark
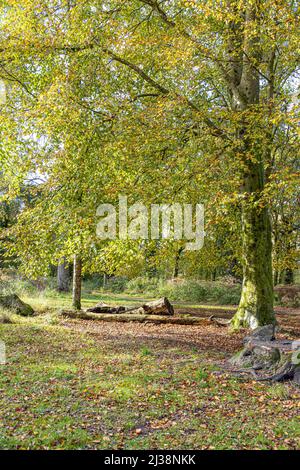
{"x": 63, "y": 277}
{"x": 256, "y": 304}
{"x": 77, "y": 282}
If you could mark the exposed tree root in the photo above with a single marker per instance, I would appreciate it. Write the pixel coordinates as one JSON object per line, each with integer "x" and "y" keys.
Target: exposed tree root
{"x": 263, "y": 352}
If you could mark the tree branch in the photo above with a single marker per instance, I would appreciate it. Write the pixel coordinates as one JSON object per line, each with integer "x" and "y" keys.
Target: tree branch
{"x": 204, "y": 51}
{"x": 164, "y": 91}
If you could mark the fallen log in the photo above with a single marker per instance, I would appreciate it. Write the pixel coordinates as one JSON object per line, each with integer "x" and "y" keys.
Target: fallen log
{"x": 157, "y": 307}
{"x": 126, "y": 318}
{"x": 104, "y": 308}
{"x": 220, "y": 321}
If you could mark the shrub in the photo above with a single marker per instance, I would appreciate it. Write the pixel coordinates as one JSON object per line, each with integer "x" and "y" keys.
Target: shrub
{"x": 186, "y": 291}
{"x": 190, "y": 291}
{"x": 116, "y": 284}
{"x": 93, "y": 283}
{"x": 225, "y": 295}
{"x": 143, "y": 285}
{"x": 288, "y": 296}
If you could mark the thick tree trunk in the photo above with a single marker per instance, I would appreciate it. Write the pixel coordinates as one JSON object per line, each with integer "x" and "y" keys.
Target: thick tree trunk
{"x": 77, "y": 282}
{"x": 257, "y": 298}
{"x": 63, "y": 277}
{"x": 256, "y": 304}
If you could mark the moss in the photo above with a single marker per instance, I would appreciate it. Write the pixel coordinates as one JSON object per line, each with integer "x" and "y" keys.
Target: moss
{"x": 14, "y": 303}
{"x": 257, "y": 298}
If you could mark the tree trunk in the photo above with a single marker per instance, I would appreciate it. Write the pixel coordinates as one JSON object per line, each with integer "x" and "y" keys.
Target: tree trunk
{"x": 276, "y": 277}
{"x": 257, "y": 298}
{"x": 176, "y": 266}
{"x": 256, "y": 304}
{"x": 289, "y": 276}
{"x": 63, "y": 277}
{"x": 77, "y": 282}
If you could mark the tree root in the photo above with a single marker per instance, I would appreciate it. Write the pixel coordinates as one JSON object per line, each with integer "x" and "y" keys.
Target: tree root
{"x": 245, "y": 371}
{"x": 286, "y": 373}
{"x": 262, "y": 352}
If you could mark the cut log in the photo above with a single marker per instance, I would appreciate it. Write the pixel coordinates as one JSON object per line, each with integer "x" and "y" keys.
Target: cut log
{"x": 156, "y": 307}
{"x": 126, "y": 318}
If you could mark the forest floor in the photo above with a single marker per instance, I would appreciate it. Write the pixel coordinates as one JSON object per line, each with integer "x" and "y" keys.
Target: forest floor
{"x": 77, "y": 384}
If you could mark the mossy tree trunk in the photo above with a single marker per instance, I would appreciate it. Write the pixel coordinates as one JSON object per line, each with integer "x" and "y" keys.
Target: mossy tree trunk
{"x": 256, "y": 304}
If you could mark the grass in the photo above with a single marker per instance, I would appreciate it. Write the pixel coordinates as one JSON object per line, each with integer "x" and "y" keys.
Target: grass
{"x": 55, "y": 300}
{"x": 71, "y": 386}
{"x": 183, "y": 291}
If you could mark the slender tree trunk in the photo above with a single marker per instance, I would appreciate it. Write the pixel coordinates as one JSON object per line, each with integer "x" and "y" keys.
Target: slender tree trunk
{"x": 289, "y": 276}
{"x": 77, "y": 282}
{"x": 63, "y": 277}
{"x": 276, "y": 278}
{"x": 176, "y": 266}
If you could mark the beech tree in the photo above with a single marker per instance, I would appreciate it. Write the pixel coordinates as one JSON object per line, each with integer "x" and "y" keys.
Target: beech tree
{"x": 194, "y": 91}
